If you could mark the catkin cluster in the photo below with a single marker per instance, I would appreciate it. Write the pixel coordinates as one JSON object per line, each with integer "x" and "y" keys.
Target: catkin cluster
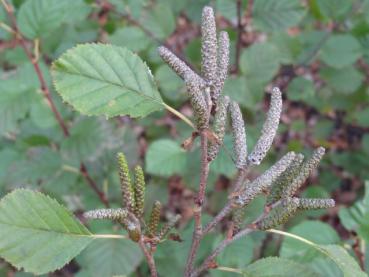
{"x": 131, "y": 215}
{"x": 286, "y": 176}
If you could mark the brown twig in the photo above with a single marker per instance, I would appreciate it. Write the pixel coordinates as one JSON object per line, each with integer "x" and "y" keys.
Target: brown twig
{"x": 149, "y": 258}
{"x": 199, "y": 201}
{"x": 46, "y": 93}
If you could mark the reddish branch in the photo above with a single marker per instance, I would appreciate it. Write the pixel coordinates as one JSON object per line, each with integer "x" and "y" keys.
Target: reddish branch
{"x": 46, "y": 93}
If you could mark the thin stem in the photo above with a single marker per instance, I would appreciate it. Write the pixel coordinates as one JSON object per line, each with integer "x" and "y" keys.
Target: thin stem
{"x": 149, "y": 258}
{"x": 291, "y": 236}
{"x": 179, "y": 115}
{"x": 229, "y": 269}
{"x": 46, "y": 93}
{"x": 199, "y": 201}
{"x": 109, "y": 236}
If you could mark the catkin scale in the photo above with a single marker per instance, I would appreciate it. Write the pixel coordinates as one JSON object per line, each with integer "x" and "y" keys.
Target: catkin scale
{"x": 239, "y": 135}
{"x": 219, "y": 126}
{"x": 139, "y": 191}
{"x": 125, "y": 181}
{"x": 269, "y": 129}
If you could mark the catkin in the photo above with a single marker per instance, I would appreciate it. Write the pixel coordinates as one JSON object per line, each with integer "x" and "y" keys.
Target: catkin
{"x": 269, "y": 129}
{"x": 239, "y": 135}
{"x": 223, "y": 64}
{"x": 284, "y": 180}
{"x": 305, "y": 170}
{"x": 313, "y": 203}
{"x": 263, "y": 182}
{"x": 209, "y": 45}
{"x": 280, "y": 214}
{"x": 139, "y": 190}
{"x": 125, "y": 181}
{"x": 154, "y": 219}
{"x": 113, "y": 214}
{"x": 198, "y": 102}
{"x": 219, "y": 126}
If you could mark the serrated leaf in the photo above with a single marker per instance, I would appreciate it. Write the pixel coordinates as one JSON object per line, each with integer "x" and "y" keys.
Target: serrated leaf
{"x": 340, "y": 51}
{"x": 37, "y": 233}
{"x": 165, "y": 158}
{"x": 260, "y": 62}
{"x": 131, "y": 37}
{"x": 110, "y": 257}
{"x": 278, "y": 267}
{"x": 343, "y": 80}
{"x": 334, "y": 9}
{"x": 273, "y": 15}
{"x": 98, "y": 79}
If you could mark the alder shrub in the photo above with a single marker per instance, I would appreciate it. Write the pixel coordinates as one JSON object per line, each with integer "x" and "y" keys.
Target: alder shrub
{"x": 39, "y": 235}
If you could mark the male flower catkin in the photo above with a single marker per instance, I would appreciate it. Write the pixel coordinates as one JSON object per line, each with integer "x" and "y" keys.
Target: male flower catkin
{"x": 113, "y": 214}
{"x": 219, "y": 126}
{"x": 223, "y": 64}
{"x": 313, "y": 203}
{"x": 239, "y": 135}
{"x": 269, "y": 128}
{"x": 125, "y": 181}
{"x": 139, "y": 191}
{"x": 154, "y": 220}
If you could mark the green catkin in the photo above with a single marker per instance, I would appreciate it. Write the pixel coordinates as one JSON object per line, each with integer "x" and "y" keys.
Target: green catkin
{"x": 223, "y": 64}
{"x": 280, "y": 214}
{"x": 284, "y": 180}
{"x": 198, "y": 102}
{"x": 125, "y": 181}
{"x": 219, "y": 126}
{"x": 154, "y": 219}
{"x": 238, "y": 219}
{"x": 113, "y": 214}
{"x": 305, "y": 170}
{"x": 139, "y": 191}
{"x": 314, "y": 203}
{"x": 168, "y": 226}
{"x": 263, "y": 182}
{"x": 239, "y": 135}
{"x": 269, "y": 129}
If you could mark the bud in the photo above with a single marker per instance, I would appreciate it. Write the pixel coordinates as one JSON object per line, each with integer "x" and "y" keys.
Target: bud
{"x": 154, "y": 219}
{"x": 269, "y": 128}
{"x": 264, "y": 181}
{"x": 168, "y": 226}
{"x": 125, "y": 181}
{"x": 139, "y": 191}
{"x": 209, "y": 45}
{"x": 113, "y": 214}
{"x": 280, "y": 214}
{"x": 306, "y": 168}
{"x": 285, "y": 179}
{"x": 239, "y": 135}
{"x": 198, "y": 102}
{"x": 219, "y": 126}
{"x": 313, "y": 204}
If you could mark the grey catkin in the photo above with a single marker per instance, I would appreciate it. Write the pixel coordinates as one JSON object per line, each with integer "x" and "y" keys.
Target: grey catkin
{"x": 239, "y": 135}
{"x": 113, "y": 214}
{"x": 269, "y": 129}
{"x": 223, "y": 64}
{"x": 315, "y": 203}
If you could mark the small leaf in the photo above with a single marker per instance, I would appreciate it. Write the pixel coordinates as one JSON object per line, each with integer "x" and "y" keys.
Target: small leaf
{"x": 110, "y": 257}
{"x": 131, "y": 37}
{"x": 37, "y": 233}
{"x": 272, "y": 15}
{"x": 344, "y": 80}
{"x": 98, "y": 79}
{"x": 165, "y": 158}
{"x": 278, "y": 267}
{"x": 340, "y": 51}
{"x": 334, "y": 9}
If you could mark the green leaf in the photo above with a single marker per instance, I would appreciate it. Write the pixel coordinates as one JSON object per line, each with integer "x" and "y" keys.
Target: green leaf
{"x": 301, "y": 89}
{"x": 98, "y": 79}
{"x": 296, "y": 250}
{"x": 334, "y": 9}
{"x": 38, "y": 18}
{"x": 278, "y": 267}
{"x": 340, "y": 51}
{"x": 260, "y": 62}
{"x": 131, "y": 37}
{"x": 110, "y": 257}
{"x": 344, "y": 80}
{"x": 37, "y": 233}
{"x": 165, "y": 158}
{"x": 169, "y": 83}
{"x": 274, "y": 15}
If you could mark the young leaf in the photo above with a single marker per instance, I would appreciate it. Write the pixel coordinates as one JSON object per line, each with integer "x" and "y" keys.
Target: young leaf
{"x": 98, "y": 79}
{"x": 37, "y": 233}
